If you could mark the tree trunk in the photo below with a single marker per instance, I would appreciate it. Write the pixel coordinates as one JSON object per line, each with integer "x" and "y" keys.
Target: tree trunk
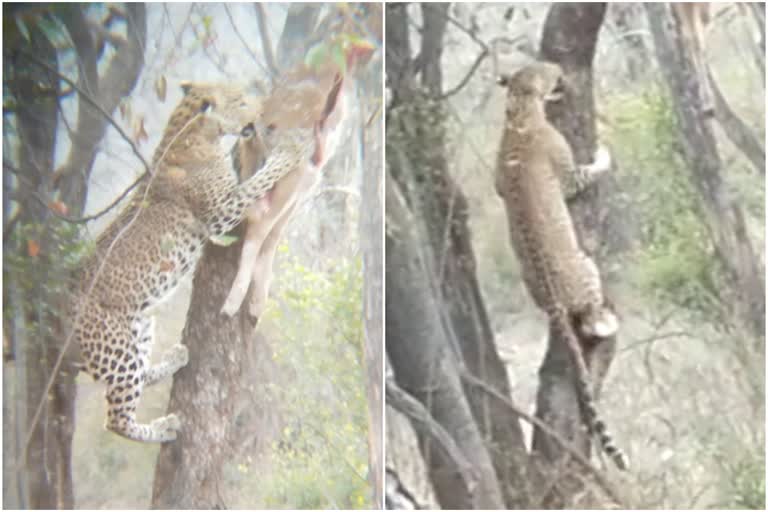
{"x": 36, "y": 119}
{"x": 205, "y": 392}
{"x": 569, "y": 38}
{"x": 426, "y": 365}
{"x": 301, "y": 20}
{"x": 415, "y": 136}
{"x": 371, "y": 227}
{"x": 724, "y": 217}
{"x": 36, "y": 92}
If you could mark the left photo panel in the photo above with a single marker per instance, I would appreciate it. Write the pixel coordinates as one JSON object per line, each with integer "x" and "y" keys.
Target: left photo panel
{"x": 192, "y": 256}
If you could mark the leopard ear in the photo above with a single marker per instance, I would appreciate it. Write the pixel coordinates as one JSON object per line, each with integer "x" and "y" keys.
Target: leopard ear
{"x": 248, "y": 131}
{"x": 186, "y": 86}
{"x": 255, "y": 86}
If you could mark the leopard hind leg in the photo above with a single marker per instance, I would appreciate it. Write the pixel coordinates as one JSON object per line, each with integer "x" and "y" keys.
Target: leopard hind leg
{"x": 127, "y": 365}
{"x": 173, "y": 359}
{"x": 121, "y": 416}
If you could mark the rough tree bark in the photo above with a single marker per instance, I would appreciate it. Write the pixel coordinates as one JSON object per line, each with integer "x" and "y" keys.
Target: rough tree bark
{"x": 723, "y": 216}
{"x": 569, "y": 38}
{"x": 36, "y": 120}
{"x": 36, "y": 92}
{"x": 418, "y": 164}
{"x": 205, "y": 392}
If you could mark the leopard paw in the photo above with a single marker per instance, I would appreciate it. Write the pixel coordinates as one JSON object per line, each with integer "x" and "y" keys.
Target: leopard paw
{"x": 166, "y": 427}
{"x": 177, "y": 356}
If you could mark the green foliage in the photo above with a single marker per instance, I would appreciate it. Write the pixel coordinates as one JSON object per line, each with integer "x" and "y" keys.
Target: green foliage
{"x": 416, "y": 135}
{"x": 676, "y": 263}
{"x": 743, "y": 467}
{"x": 39, "y": 259}
{"x": 321, "y": 459}
{"x": 747, "y": 483}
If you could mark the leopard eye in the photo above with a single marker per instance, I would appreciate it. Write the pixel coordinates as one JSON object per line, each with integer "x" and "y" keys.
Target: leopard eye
{"x": 271, "y": 127}
{"x": 205, "y": 106}
{"x": 248, "y": 130}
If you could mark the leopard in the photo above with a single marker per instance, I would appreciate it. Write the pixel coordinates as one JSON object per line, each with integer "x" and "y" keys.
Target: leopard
{"x": 535, "y": 176}
{"x": 139, "y": 261}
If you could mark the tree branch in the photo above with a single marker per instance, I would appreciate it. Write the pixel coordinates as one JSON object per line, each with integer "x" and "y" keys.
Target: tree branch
{"x": 92, "y": 102}
{"x": 46, "y": 202}
{"x": 242, "y": 39}
{"x": 266, "y": 43}
{"x": 479, "y": 60}
{"x": 564, "y": 443}
{"x": 737, "y": 131}
{"x": 422, "y": 420}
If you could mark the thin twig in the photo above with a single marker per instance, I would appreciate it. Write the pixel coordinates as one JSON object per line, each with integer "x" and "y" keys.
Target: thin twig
{"x": 654, "y": 338}
{"x": 403, "y": 402}
{"x": 74, "y": 220}
{"x": 242, "y": 39}
{"x": 565, "y": 444}
{"x": 479, "y": 60}
{"x": 266, "y": 44}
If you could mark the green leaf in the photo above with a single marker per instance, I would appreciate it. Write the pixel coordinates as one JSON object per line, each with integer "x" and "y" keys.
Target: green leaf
{"x": 224, "y": 240}
{"x": 339, "y": 59}
{"x": 316, "y": 55}
{"x": 207, "y": 23}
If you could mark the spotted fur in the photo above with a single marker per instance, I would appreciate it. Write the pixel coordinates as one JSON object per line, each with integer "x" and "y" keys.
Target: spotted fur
{"x": 535, "y": 166}
{"x": 157, "y": 241}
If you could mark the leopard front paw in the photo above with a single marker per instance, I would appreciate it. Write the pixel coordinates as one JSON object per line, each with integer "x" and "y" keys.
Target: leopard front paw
{"x": 602, "y": 162}
{"x": 604, "y": 324}
{"x": 166, "y": 427}
{"x": 177, "y": 356}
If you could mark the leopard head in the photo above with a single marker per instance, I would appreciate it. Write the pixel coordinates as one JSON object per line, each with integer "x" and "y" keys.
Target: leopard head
{"x": 542, "y": 80}
{"x": 205, "y": 113}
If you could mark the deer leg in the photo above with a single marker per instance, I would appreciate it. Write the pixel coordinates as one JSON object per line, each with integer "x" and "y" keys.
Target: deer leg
{"x": 262, "y": 274}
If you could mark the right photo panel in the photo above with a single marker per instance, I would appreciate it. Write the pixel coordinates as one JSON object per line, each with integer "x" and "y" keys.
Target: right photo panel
{"x": 574, "y": 255}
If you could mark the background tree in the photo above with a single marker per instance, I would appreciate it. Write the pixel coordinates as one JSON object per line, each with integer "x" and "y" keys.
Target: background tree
{"x": 41, "y": 44}
{"x": 744, "y": 276}
{"x": 682, "y": 347}
{"x": 433, "y": 267}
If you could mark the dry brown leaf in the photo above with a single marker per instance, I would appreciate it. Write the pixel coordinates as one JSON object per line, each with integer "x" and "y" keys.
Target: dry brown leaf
{"x": 139, "y": 132}
{"x": 125, "y": 109}
{"x": 58, "y": 207}
{"x": 33, "y": 248}
{"x": 160, "y": 87}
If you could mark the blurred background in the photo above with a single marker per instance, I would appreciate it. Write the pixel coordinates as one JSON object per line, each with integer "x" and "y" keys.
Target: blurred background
{"x": 298, "y": 434}
{"x": 678, "y": 232}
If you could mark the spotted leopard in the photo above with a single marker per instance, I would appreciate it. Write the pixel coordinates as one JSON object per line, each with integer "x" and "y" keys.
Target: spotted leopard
{"x": 140, "y": 259}
{"x": 535, "y": 168}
